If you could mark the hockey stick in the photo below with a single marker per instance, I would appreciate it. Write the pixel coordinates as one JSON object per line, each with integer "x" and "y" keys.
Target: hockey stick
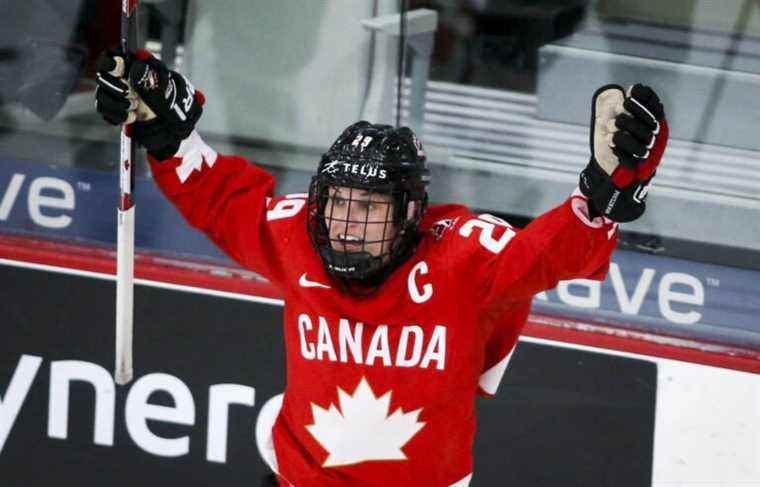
{"x": 403, "y": 8}
{"x": 125, "y": 217}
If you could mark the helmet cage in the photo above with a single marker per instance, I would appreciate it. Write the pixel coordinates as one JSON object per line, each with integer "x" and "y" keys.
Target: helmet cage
{"x": 367, "y": 161}
{"x": 399, "y": 226}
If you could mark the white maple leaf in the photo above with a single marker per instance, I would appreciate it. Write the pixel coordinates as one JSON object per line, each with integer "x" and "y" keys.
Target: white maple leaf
{"x": 194, "y": 153}
{"x": 362, "y": 430}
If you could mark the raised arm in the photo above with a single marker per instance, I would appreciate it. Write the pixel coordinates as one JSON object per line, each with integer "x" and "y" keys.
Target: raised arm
{"x": 226, "y": 197}
{"x": 576, "y": 239}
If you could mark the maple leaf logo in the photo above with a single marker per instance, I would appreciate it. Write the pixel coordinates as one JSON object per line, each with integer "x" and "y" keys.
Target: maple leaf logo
{"x": 362, "y": 430}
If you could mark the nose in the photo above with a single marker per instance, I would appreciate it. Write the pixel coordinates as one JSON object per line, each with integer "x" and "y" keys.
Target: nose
{"x": 345, "y": 218}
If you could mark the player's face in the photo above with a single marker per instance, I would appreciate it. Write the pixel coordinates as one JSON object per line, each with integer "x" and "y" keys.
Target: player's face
{"x": 359, "y": 221}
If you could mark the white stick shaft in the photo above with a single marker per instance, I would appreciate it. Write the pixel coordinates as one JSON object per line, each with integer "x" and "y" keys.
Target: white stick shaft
{"x": 125, "y": 258}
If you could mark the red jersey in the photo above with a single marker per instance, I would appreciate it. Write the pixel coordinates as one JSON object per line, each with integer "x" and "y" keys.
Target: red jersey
{"x": 381, "y": 388}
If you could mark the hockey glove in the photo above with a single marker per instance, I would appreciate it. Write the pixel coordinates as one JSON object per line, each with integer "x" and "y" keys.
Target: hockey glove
{"x": 628, "y": 138}
{"x": 163, "y": 105}
{"x": 116, "y": 102}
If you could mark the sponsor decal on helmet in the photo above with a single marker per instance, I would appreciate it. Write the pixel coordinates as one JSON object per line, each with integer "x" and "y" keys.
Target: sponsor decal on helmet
{"x": 361, "y": 141}
{"x": 367, "y": 170}
{"x": 331, "y": 167}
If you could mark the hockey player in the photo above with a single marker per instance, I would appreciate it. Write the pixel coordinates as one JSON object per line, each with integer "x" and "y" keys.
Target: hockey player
{"x": 396, "y": 313}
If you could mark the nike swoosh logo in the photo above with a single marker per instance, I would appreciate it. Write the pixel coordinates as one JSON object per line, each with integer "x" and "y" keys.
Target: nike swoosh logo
{"x": 304, "y": 282}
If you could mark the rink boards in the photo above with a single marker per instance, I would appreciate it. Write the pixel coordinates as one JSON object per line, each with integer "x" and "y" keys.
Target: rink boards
{"x": 565, "y": 413}
{"x": 652, "y": 293}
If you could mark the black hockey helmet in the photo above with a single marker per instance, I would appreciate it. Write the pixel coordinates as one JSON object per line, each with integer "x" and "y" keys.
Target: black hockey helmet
{"x": 365, "y": 161}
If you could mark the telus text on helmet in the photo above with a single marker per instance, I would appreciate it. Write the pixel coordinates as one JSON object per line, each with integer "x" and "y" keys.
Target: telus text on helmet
{"x": 366, "y": 170}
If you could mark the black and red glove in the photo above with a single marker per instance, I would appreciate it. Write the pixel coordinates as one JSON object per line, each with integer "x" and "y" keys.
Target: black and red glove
{"x": 162, "y": 105}
{"x": 628, "y": 138}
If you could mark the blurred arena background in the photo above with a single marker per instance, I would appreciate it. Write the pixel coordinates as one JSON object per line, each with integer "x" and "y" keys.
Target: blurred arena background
{"x": 649, "y": 378}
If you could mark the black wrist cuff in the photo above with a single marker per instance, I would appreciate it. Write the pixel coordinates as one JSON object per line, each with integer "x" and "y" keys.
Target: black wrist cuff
{"x": 617, "y": 204}
{"x": 164, "y": 153}
{"x": 157, "y": 138}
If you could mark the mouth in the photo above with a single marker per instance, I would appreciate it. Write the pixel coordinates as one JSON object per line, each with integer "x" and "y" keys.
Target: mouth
{"x": 349, "y": 241}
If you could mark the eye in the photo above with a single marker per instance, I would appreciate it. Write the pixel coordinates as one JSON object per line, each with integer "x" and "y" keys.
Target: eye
{"x": 338, "y": 200}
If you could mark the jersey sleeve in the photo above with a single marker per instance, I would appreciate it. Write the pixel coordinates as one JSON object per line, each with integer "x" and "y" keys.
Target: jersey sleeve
{"x": 512, "y": 265}
{"x": 501, "y": 328}
{"x": 231, "y": 201}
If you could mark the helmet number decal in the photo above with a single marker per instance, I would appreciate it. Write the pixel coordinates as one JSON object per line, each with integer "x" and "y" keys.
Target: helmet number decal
{"x": 487, "y": 224}
{"x": 285, "y": 208}
{"x": 361, "y": 141}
